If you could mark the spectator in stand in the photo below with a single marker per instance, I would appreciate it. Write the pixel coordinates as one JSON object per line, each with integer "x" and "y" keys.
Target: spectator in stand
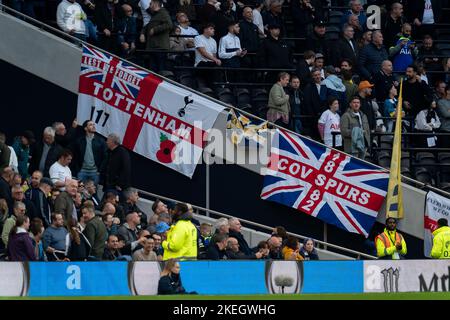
{"x": 257, "y": 17}
{"x": 355, "y": 129}
{"x": 35, "y": 179}
{"x": 20, "y": 246}
{"x": 118, "y": 166}
{"x": 112, "y": 251}
{"x": 70, "y": 18}
{"x": 291, "y": 250}
{"x": 416, "y": 93}
{"x": 158, "y": 247}
{"x": 364, "y": 40}
{"x": 65, "y": 202}
{"x": 156, "y": 35}
{"x": 126, "y": 31}
{"x": 206, "y": 12}
{"x": 444, "y": 114}
{"x": 64, "y": 137}
{"x": 346, "y": 48}
{"x": 188, "y": 8}
{"x": 129, "y": 232}
{"x": 304, "y": 67}
{"x": 384, "y": 80}
{"x": 106, "y": 15}
{"x": 221, "y": 226}
{"x": 206, "y": 54}
{"x": 281, "y": 232}
{"x": 308, "y": 250}
{"x": 95, "y": 231}
{"x": 112, "y": 199}
{"x": 186, "y": 29}
{"x": 249, "y": 37}
{"x": 19, "y": 210}
{"x": 303, "y": 13}
{"x": 59, "y": 171}
{"x": 426, "y": 51}
{"x": 318, "y": 64}
{"x": 111, "y": 223}
{"x": 334, "y": 86}
{"x": 204, "y": 239}
{"x": 222, "y": 18}
{"x": 365, "y": 93}
{"x": 54, "y": 239}
{"x": 296, "y": 103}
{"x": 131, "y": 196}
{"x": 427, "y": 121}
{"x": 6, "y": 177}
{"x": 371, "y": 56}
{"x": 235, "y": 232}
{"x": 274, "y": 17}
{"x": 441, "y": 237}
{"x": 45, "y": 153}
{"x": 18, "y": 195}
{"x": 274, "y": 52}
{"x": 144, "y": 7}
{"x": 439, "y": 90}
{"x": 404, "y": 52}
{"x": 275, "y": 244}
{"x": 90, "y": 193}
{"x": 234, "y": 253}
{"x": 159, "y": 207}
{"x": 21, "y": 146}
{"x": 278, "y": 104}
{"x": 36, "y": 233}
{"x": 4, "y": 212}
{"x": 146, "y": 253}
{"x": 356, "y": 9}
{"x": 424, "y": 15}
{"x": 5, "y": 153}
{"x": 390, "y": 108}
{"x": 445, "y": 76}
{"x": 217, "y": 249}
{"x": 317, "y": 41}
{"x": 91, "y": 29}
{"x": 351, "y": 89}
{"x": 390, "y": 244}
{"x": 181, "y": 240}
{"x": 315, "y": 101}
{"x": 230, "y": 50}
{"x": 353, "y": 21}
{"x": 393, "y": 23}
{"x": 330, "y": 122}
{"x": 170, "y": 281}
{"x": 77, "y": 245}
{"x": 41, "y": 201}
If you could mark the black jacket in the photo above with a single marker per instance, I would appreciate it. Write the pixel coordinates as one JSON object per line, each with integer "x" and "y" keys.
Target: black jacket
{"x": 170, "y": 284}
{"x": 383, "y": 83}
{"x": 370, "y": 59}
{"x": 213, "y": 253}
{"x": 367, "y": 109}
{"x": 314, "y": 104}
{"x": 303, "y": 73}
{"x": 41, "y": 206}
{"x": 79, "y": 149}
{"x": 269, "y": 18}
{"x": 319, "y": 44}
{"x": 345, "y": 51}
{"x": 5, "y": 192}
{"x": 249, "y": 36}
{"x": 52, "y": 156}
{"x": 391, "y": 28}
{"x": 104, "y": 19}
{"x": 418, "y": 94}
{"x": 117, "y": 170}
{"x": 275, "y": 54}
{"x": 243, "y": 245}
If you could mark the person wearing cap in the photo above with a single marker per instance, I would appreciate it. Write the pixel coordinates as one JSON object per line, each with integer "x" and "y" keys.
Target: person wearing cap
{"x": 355, "y": 129}
{"x": 162, "y": 227}
{"x": 41, "y": 201}
{"x": 319, "y": 63}
{"x": 21, "y": 146}
{"x": 181, "y": 242}
{"x": 317, "y": 41}
{"x": 441, "y": 240}
{"x": 364, "y": 93}
{"x": 390, "y": 244}
{"x": 371, "y": 56}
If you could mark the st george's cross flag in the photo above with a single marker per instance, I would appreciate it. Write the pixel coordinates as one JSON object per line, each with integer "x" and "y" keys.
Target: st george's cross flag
{"x": 154, "y": 118}
{"x": 324, "y": 183}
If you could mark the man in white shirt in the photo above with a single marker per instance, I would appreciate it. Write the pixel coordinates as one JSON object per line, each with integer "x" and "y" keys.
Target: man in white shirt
{"x": 206, "y": 54}
{"x": 186, "y": 29}
{"x": 145, "y": 7}
{"x": 330, "y": 122}
{"x": 230, "y": 51}
{"x": 257, "y": 17}
{"x": 59, "y": 171}
{"x": 70, "y": 18}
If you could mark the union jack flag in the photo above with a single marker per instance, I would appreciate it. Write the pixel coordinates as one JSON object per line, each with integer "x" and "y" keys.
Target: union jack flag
{"x": 324, "y": 183}
{"x": 94, "y": 64}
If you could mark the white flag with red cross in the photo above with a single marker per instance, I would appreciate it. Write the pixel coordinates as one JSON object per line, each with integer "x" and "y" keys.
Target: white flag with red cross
{"x": 154, "y": 118}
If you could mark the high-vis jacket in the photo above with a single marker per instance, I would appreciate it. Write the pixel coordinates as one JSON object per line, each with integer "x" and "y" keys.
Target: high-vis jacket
{"x": 181, "y": 241}
{"x": 385, "y": 243}
{"x": 441, "y": 243}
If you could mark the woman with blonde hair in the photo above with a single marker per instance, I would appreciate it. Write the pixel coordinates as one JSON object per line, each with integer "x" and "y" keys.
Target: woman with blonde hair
{"x": 170, "y": 281}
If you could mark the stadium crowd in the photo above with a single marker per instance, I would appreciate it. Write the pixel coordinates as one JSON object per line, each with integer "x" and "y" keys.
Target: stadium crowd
{"x": 50, "y": 209}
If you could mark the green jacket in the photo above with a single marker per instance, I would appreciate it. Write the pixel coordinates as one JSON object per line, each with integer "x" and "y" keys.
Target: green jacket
{"x": 161, "y": 25}
{"x": 278, "y": 99}
{"x": 23, "y": 155}
{"x": 7, "y": 227}
{"x": 348, "y": 121}
{"x": 96, "y": 234}
{"x": 181, "y": 241}
{"x": 441, "y": 243}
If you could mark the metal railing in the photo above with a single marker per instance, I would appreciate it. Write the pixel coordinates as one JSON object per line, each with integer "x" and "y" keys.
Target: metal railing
{"x": 208, "y": 212}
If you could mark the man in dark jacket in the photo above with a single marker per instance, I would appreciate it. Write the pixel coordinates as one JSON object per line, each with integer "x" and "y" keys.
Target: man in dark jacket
{"x": 45, "y": 153}
{"x": 274, "y": 17}
{"x": 314, "y": 102}
{"x": 127, "y": 30}
{"x": 304, "y": 67}
{"x": 235, "y": 232}
{"x": 217, "y": 249}
{"x": 426, "y": 50}
{"x": 5, "y": 154}
{"x": 346, "y": 47}
{"x": 89, "y": 154}
{"x": 371, "y": 56}
{"x": 107, "y": 13}
{"x": 129, "y": 232}
{"x": 156, "y": 33}
{"x": 392, "y": 25}
{"x": 131, "y": 197}
{"x": 296, "y": 103}
{"x": 383, "y": 81}
{"x": 233, "y": 251}
{"x": 317, "y": 41}
{"x": 117, "y": 173}
{"x": 417, "y": 95}
{"x": 5, "y": 189}
{"x": 364, "y": 93}
{"x": 95, "y": 232}
{"x": 41, "y": 201}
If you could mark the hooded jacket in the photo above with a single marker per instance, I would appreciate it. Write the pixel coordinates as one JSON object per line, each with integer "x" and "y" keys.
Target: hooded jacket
{"x": 441, "y": 243}
{"x": 181, "y": 240}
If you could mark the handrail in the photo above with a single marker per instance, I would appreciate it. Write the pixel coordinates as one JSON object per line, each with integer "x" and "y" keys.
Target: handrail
{"x": 255, "y": 224}
{"x": 42, "y": 25}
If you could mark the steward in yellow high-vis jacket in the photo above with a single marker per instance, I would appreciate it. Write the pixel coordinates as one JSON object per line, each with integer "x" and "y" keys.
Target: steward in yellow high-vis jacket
{"x": 441, "y": 240}
{"x": 181, "y": 240}
{"x": 390, "y": 244}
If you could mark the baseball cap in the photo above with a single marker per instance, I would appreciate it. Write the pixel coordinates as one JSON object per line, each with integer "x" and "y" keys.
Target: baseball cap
{"x": 162, "y": 227}
{"x": 319, "y": 56}
{"x": 319, "y": 23}
{"x": 364, "y": 84}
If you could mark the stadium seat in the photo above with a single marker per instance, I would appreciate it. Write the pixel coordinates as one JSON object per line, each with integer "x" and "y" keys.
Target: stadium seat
{"x": 225, "y": 95}
{"x": 423, "y": 175}
{"x": 246, "y": 107}
{"x": 188, "y": 80}
{"x": 207, "y": 91}
{"x": 384, "y": 159}
{"x": 335, "y": 14}
{"x": 406, "y": 172}
{"x": 427, "y": 160}
{"x": 405, "y": 160}
{"x": 242, "y": 97}
{"x": 444, "y": 171}
{"x": 167, "y": 74}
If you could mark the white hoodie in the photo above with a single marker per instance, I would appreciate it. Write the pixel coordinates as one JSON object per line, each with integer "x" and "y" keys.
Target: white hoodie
{"x": 70, "y": 16}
